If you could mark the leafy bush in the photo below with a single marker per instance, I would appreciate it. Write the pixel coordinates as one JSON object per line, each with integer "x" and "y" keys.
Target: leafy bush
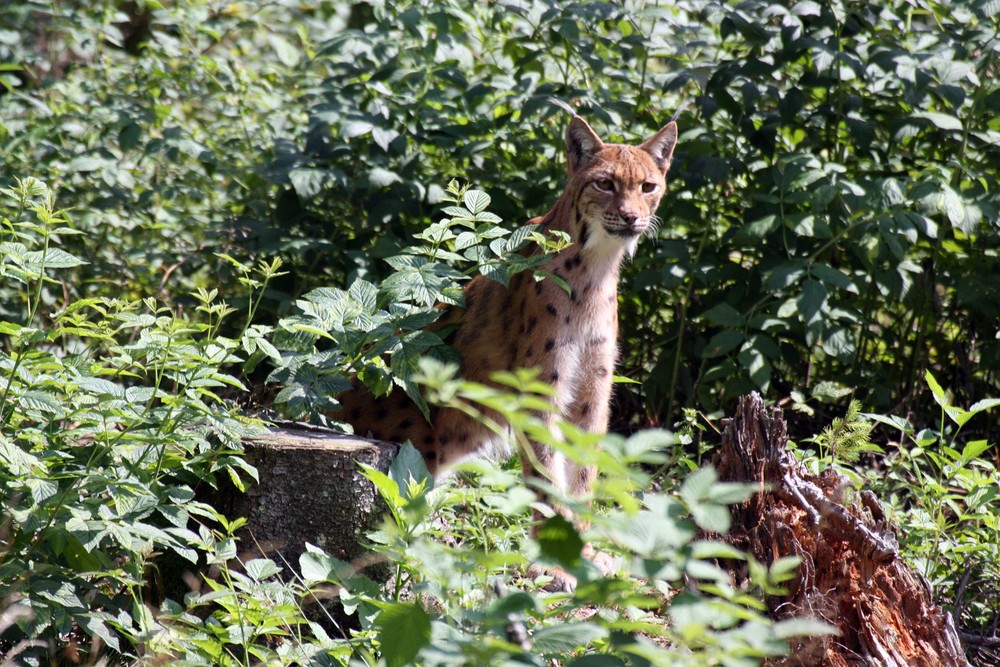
{"x": 111, "y": 421}
{"x": 455, "y": 547}
{"x": 833, "y": 183}
{"x": 950, "y": 530}
{"x": 153, "y": 121}
{"x": 381, "y": 332}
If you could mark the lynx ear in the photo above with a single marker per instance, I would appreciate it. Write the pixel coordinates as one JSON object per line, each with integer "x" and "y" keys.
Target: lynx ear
{"x": 661, "y": 146}
{"x": 581, "y": 144}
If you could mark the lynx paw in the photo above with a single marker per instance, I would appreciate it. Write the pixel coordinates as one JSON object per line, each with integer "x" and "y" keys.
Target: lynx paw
{"x": 562, "y": 581}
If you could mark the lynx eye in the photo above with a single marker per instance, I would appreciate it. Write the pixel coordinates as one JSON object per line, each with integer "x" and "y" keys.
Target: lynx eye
{"x": 605, "y": 185}
{"x": 648, "y": 187}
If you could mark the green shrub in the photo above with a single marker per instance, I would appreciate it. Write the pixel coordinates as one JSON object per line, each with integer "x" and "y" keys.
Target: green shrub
{"x": 112, "y": 419}
{"x": 950, "y": 530}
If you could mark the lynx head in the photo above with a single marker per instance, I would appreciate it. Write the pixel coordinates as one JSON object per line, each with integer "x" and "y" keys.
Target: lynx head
{"x": 617, "y": 188}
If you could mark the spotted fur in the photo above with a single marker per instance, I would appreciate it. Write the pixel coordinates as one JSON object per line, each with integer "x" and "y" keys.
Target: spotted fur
{"x": 609, "y": 202}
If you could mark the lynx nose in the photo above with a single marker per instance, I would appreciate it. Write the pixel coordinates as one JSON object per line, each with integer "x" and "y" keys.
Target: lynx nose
{"x": 628, "y": 217}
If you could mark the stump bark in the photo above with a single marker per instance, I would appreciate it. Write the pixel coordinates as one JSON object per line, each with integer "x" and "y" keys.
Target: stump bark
{"x": 310, "y": 490}
{"x": 852, "y": 575}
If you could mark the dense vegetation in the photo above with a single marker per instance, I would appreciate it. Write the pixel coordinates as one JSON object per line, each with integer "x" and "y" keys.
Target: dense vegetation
{"x": 216, "y": 204}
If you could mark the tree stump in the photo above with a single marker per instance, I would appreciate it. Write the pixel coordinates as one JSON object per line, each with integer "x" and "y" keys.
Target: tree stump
{"x": 310, "y": 490}
{"x": 851, "y": 576}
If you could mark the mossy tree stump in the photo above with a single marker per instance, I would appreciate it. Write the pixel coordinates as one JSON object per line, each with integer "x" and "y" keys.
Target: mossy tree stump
{"x": 311, "y": 490}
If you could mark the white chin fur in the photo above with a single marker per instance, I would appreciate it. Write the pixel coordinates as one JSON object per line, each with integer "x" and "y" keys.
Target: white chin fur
{"x": 631, "y": 246}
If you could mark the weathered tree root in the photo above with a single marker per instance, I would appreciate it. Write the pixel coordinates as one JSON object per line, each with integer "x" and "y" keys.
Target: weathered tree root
{"x": 852, "y": 575}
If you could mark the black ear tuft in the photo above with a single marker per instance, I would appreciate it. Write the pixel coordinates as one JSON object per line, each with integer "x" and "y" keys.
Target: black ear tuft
{"x": 581, "y": 144}
{"x": 661, "y": 146}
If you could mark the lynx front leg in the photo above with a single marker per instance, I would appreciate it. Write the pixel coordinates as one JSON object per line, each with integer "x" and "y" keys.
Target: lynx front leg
{"x": 590, "y": 411}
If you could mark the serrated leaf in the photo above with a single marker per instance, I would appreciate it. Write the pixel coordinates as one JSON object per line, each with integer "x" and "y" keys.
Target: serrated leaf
{"x": 53, "y": 258}
{"x": 260, "y": 569}
{"x": 405, "y": 629}
{"x": 364, "y": 293}
{"x": 100, "y": 386}
{"x": 317, "y": 565}
{"x": 17, "y": 461}
{"x": 985, "y": 404}
{"x": 42, "y": 402}
{"x": 466, "y": 240}
{"x": 476, "y": 201}
{"x": 973, "y": 449}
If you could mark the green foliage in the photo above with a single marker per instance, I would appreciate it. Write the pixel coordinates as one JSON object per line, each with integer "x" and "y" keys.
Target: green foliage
{"x": 112, "y": 418}
{"x": 455, "y": 545}
{"x": 381, "y": 332}
{"x": 950, "y": 528}
{"x": 847, "y": 437}
{"x": 154, "y": 120}
{"x": 833, "y": 202}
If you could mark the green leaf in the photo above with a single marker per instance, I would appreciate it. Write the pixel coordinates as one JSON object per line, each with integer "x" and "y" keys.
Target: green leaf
{"x": 811, "y": 301}
{"x": 985, "y": 404}
{"x": 832, "y": 276}
{"x": 658, "y": 530}
{"x": 804, "y": 627}
{"x": 307, "y": 182}
{"x": 565, "y": 638}
{"x": 17, "y": 461}
{"x": 941, "y": 120}
{"x": 939, "y": 396}
{"x": 476, "y": 201}
{"x": 387, "y": 487}
{"x": 724, "y": 315}
{"x": 260, "y": 569}
{"x": 828, "y": 391}
{"x": 42, "y": 402}
{"x": 364, "y": 293}
{"x": 973, "y": 449}
{"x": 405, "y": 629}
{"x": 381, "y": 178}
{"x": 407, "y": 467}
{"x": 287, "y": 53}
{"x": 722, "y": 343}
{"x": 559, "y": 541}
{"x": 316, "y": 565}
{"x": 54, "y": 258}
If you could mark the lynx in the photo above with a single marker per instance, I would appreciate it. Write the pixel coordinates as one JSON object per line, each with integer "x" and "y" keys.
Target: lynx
{"x": 609, "y": 202}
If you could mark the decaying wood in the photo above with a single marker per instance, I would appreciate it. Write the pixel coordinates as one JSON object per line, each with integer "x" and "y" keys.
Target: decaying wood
{"x": 852, "y": 575}
{"x": 310, "y": 490}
